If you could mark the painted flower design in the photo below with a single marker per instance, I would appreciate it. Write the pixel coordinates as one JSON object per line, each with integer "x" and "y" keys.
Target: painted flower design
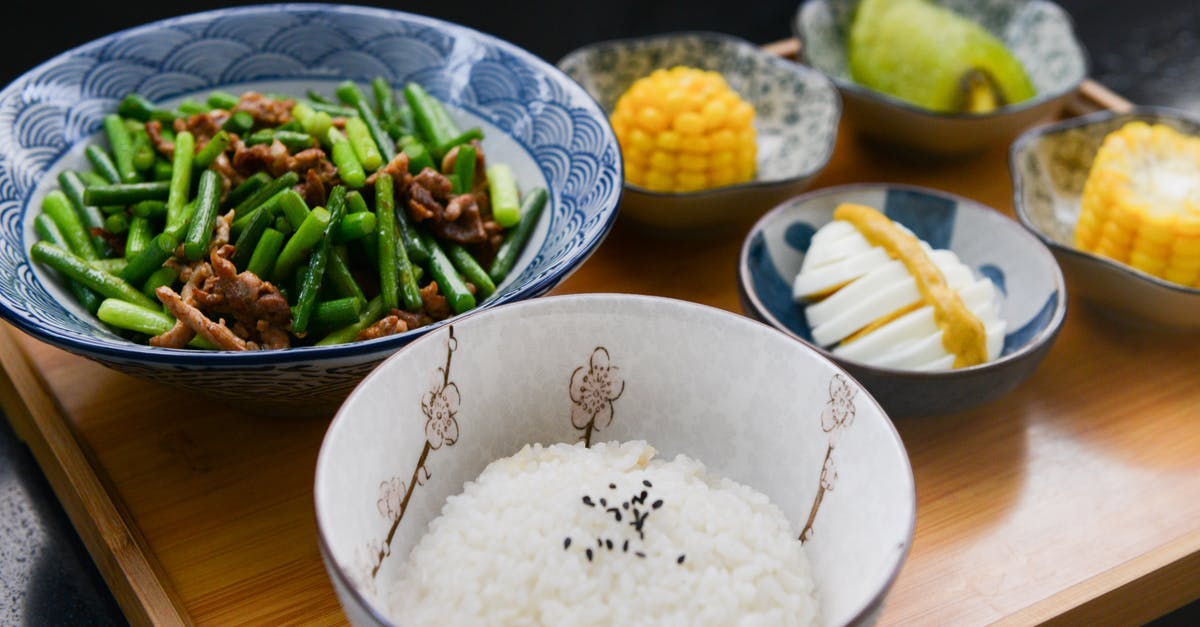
{"x": 391, "y": 496}
{"x": 839, "y": 412}
{"x": 440, "y": 405}
{"x": 829, "y": 474}
{"x": 593, "y": 391}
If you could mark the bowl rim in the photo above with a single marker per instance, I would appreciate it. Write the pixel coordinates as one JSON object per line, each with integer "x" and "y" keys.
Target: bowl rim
{"x": 798, "y": 68}
{"x": 852, "y": 87}
{"x": 1046, "y": 335}
{"x": 1022, "y": 144}
{"x": 122, "y": 350}
{"x": 342, "y": 416}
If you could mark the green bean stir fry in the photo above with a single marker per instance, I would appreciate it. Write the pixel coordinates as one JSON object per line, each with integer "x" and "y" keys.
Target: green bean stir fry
{"x": 271, "y": 221}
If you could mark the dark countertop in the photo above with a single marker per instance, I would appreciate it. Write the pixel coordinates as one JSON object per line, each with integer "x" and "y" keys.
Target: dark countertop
{"x": 1146, "y": 50}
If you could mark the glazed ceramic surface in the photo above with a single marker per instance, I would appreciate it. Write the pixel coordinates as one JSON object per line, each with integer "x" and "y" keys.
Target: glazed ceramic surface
{"x": 1039, "y": 33}
{"x": 1028, "y": 282}
{"x": 1049, "y": 167}
{"x": 537, "y": 120}
{"x": 796, "y": 117}
{"x": 788, "y": 423}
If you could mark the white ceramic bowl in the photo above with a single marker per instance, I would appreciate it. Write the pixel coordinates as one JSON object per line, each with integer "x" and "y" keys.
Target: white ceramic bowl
{"x": 749, "y": 402}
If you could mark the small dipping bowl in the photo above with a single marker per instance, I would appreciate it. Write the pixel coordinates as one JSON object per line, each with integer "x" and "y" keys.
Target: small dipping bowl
{"x": 796, "y": 118}
{"x": 1028, "y": 281}
{"x": 1049, "y": 167}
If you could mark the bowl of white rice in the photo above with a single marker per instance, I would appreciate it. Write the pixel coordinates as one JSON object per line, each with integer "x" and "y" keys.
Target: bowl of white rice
{"x": 612, "y": 459}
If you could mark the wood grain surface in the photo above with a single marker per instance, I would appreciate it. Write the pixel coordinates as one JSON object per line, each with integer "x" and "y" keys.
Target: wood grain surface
{"x": 1076, "y": 498}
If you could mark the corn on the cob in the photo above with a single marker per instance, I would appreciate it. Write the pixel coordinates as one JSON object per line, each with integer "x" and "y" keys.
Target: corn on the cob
{"x": 684, "y": 130}
{"x": 1141, "y": 202}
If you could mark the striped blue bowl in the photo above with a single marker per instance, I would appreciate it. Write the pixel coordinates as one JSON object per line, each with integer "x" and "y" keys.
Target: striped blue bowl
{"x": 536, "y": 119}
{"x": 1032, "y": 292}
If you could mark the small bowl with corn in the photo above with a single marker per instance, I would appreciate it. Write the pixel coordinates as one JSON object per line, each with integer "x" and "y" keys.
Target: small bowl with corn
{"x": 1116, "y": 197}
{"x": 713, "y": 145}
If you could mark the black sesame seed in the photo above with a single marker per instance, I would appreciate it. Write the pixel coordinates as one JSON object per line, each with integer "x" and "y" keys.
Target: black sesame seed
{"x": 587, "y": 500}
{"x": 639, "y": 554}
{"x": 599, "y": 542}
{"x": 657, "y": 504}
{"x": 625, "y": 546}
{"x": 612, "y": 486}
{"x": 608, "y": 544}
{"x": 646, "y": 482}
{"x": 603, "y": 502}
{"x": 566, "y": 544}
{"x": 625, "y": 505}
{"x": 680, "y": 560}
{"x": 589, "y": 555}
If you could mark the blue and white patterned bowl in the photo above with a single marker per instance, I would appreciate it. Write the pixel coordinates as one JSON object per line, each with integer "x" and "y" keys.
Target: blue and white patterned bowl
{"x": 1030, "y": 285}
{"x": 796, "y": 118}
{"x": 1038, "y": 32}
{"x": 1050, "y": 165}
{"x": 536, "y": 119}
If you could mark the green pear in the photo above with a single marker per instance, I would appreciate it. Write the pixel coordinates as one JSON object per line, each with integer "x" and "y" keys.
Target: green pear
{"x": 934, "y": 58}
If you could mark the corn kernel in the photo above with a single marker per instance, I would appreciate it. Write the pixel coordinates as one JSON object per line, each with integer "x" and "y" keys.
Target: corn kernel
{"x": 683, "y": 129}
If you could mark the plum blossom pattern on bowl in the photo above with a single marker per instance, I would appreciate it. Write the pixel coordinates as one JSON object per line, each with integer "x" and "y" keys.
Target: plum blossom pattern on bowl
{"x": 836, "y": 417}
{"x": 440, "y": 405}
{"x": 593, "y": 393}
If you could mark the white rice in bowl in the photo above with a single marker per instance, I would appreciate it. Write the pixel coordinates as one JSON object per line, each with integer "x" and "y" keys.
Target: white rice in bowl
{"x": 567, "y": 535}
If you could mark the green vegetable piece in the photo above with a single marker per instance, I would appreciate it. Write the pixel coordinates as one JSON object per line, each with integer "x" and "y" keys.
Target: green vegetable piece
{"x": 466, "y": 136}
{"x": 148, "y": 209}
{"x": 355, "y": 203}
{"x": 103, "y": 163}
{"x": 161, "y": 170}
{"x": 470, "y": 269}
{"x": 117, "y": 223}
{"x": 430, "y": 118}
{"x": 505, "y": 200}
{"x": 240, "y": 122}
{"x": 334, "y": 313}
{"x": 126, "y": 193}
{"x": 91, "y": 217}
{"x": 140, "y": 319}
{"x": 306, "y": 237}
{"x": 140, "y": 268}
{"x": 364, "y": 147}
{"x": 208, "y": 199}
{"x": 285, "y": 180}
{"x": 385, "y": 212}
{"x": 346, "y": 160}
{"x": 385, "y": 100}
{"x": 140, "y": 234}
{"x": 122, "y": 146}
{"x": 111, "y": 266}
{"x": 419, "y": 156}
{"x": 464, "y": 168}
{"x": 181, "y": 179}
{"x": 332, "y": 110}
{"x": 74, "y": 267}
{"x": 247, "y": 188}
{"x": 213, "y": 149}
{"x": 450, "y": 284}
{"x": 222, "y": 100}
{"x": 248, "y": 238}
{"x": 262, "y": 262}
{"x": 158, "y": 278}
{"x": 48, "y": 231}
{"x": 58, "y": 207}
{"x": 191, "y": 107}
{"x": 143, "y": 151}
{"x": 370, "y": 315}
{"x": 354, "y": 226}
{"x": 515, "y": 239}
{"x": 339, "y": 277}
{"x": 139, "y": 108}
{"x": 315, "y": 272}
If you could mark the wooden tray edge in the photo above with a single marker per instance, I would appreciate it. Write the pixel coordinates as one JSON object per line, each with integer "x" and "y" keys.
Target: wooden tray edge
{"x": 138, "y": 582}
{"x": 1090, "y": 97}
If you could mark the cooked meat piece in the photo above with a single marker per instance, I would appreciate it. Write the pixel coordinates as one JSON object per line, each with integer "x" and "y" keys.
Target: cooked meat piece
{"x": 214, "y": 332}
{"x": 192, "y": 274}
{"x": 202, "y": 125}
{"x": 312, "y": 190}
{"x": 177, "y": 336}
{"x": 306, "y": 159}
{"x": 388, "y": 325}
{"x": 271, "y": 157}
{"x": 422, "y": 205}
{"x": 413, "y": 320}
{"x": 243, "y": 296}
{"x": 266, "y": 111}
{"x": 435, "y": 183}
{"x": 466, "y": 227}
{"x": 229, "y": 177}
{"x": 485, "y": 251}
{"x": 435, "y": 304}
{"x": 273, "y": 337}
{"x": 398, "y": 168}
{"x": 164, "y": 147}
{"x": 221, "y": 226}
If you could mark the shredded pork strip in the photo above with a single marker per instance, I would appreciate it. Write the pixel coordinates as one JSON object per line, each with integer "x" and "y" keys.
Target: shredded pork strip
{"x": 215, "y": 332}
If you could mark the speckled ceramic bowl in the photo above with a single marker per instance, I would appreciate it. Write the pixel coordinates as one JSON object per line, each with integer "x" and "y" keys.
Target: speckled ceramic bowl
{"x": 536, "y": 119}
{"x": 791, "y": 424}
{"x": 1049, "y": 167}
{"x": 1039, "y": 33}
{"x": 796, "y": 117}
{"x": 1030, "y": 286}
